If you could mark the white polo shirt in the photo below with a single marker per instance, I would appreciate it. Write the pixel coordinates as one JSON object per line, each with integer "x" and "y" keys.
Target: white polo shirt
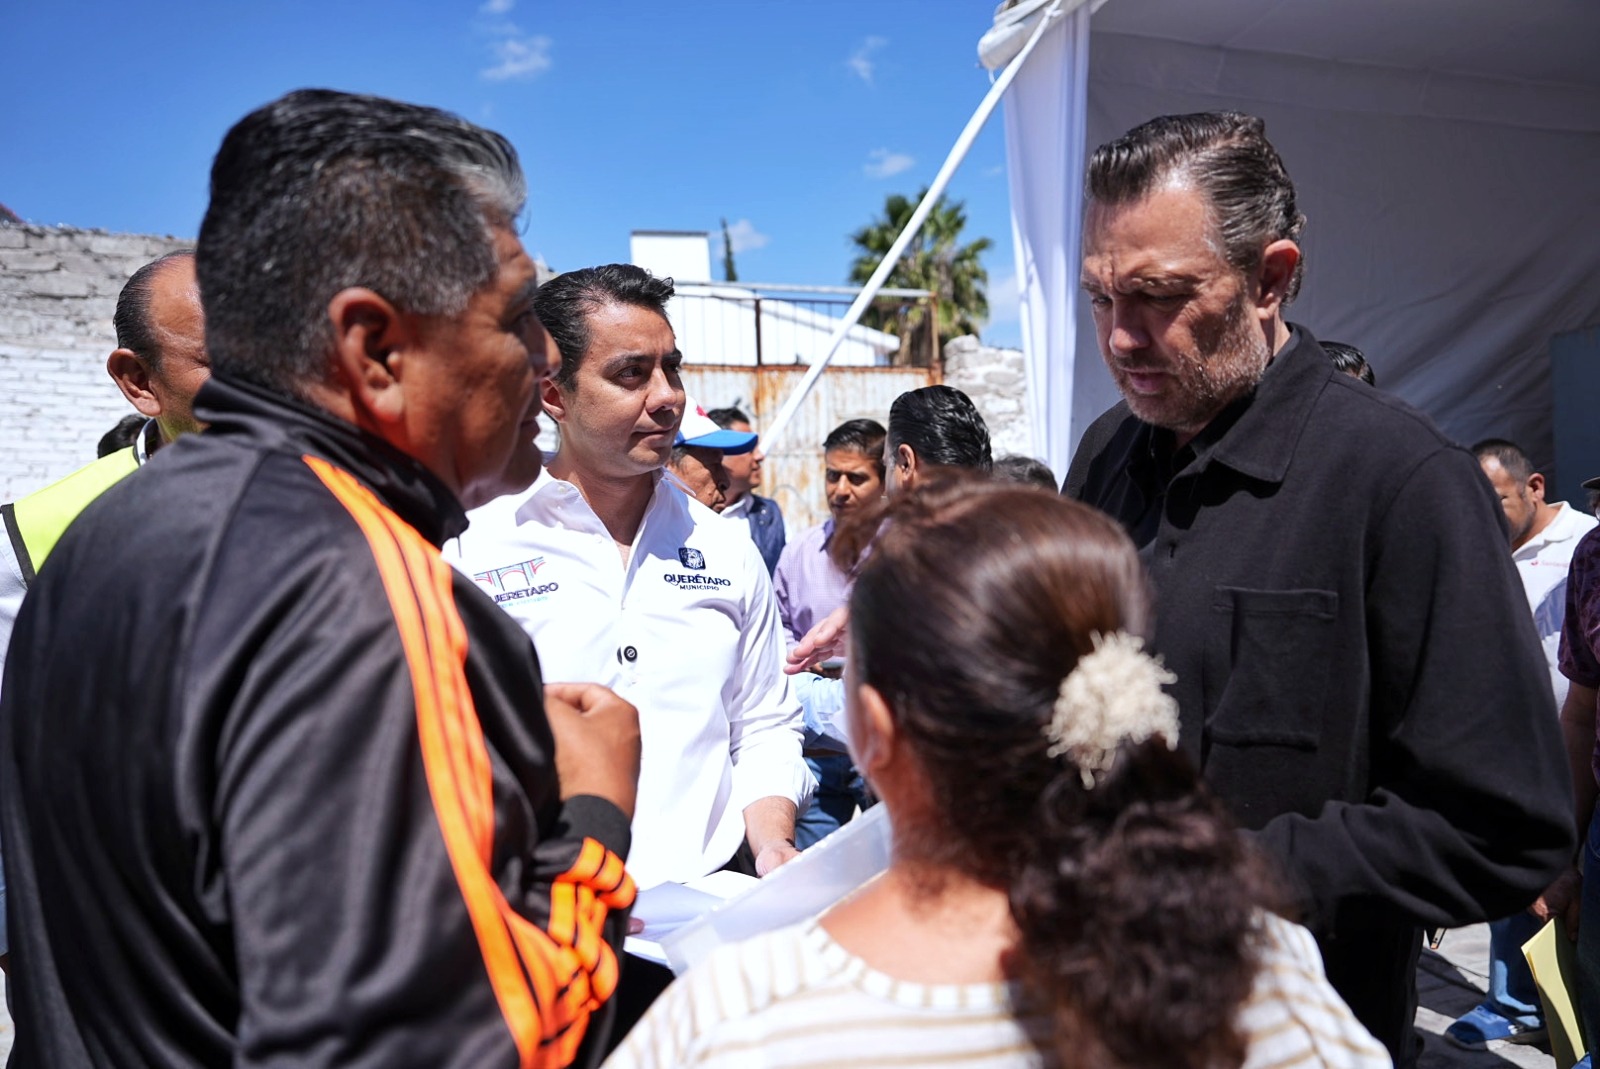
{"x": 689, "y": 633}
{"x": 1543, "y": 562}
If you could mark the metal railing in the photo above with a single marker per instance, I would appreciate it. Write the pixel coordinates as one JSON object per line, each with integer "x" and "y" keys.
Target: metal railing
{"x": 762, "y": 324}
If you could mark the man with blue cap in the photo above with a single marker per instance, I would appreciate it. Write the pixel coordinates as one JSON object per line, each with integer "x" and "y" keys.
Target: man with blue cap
{"x": 697, "y": 455}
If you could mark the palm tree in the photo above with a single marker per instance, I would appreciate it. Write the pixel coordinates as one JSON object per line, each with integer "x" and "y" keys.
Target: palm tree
{"x": 934, "y": 261}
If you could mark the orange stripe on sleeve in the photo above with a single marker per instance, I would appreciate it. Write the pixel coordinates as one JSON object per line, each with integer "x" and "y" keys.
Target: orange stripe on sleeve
{"x": 468, "y": 755}
{"x": 546, "y": 983}
{"x": 563, "y": 926}
{"x": 611, "y": 874}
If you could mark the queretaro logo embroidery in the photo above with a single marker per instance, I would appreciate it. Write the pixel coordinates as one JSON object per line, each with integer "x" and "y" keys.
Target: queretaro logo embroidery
{"x": 515, "y": 582}
{"x": 692, "y": 558}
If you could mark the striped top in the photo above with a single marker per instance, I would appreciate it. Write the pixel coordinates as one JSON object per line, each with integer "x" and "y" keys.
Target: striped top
{"x": 796, "y": 999}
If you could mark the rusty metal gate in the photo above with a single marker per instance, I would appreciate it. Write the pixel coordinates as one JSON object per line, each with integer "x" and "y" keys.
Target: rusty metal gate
{"x": 792, "y": 473}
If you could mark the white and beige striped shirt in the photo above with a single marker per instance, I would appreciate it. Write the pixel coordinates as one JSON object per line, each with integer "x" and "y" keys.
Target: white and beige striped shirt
{"x": 795, "y": 999}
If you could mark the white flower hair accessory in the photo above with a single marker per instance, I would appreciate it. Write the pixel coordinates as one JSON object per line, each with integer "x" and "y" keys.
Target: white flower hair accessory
{"x": 1113, "y": 694}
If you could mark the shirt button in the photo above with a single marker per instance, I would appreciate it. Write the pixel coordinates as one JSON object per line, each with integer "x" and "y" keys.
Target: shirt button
{"x": 630, "y": 654}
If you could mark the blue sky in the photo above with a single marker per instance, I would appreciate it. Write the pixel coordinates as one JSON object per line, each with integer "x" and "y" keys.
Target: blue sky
{"x": 791, "y": 118}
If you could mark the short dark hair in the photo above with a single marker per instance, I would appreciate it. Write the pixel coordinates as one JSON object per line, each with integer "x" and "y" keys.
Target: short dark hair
{"x": 121, "y": 435}
{"x": 864, "y": 436}
{"x": 1027, "y": 471}
{"x": 1350, "y": 360}
{"x": 564, "y": 304}
{"x": 135, "y": 332}
{"x": 320, "y": 191}
{"x": 1508, "y": 455}
{"x": 942, "y": 426}
{"x": 727, "y": 416}
{"x": 1227, "y": 156}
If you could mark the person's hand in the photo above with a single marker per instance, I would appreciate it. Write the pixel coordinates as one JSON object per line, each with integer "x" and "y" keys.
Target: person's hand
{"x": 823, "y": 642}
{"x": 769, "y": 829}
{"x": 774, "y": 854}
{"x": 1561, "y": 899}
{"x": 597, "y": 742}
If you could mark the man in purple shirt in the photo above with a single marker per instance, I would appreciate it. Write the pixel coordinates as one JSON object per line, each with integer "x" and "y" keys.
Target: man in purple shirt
{"x": 809, "y": 586}
{"x": 807, "y": 583}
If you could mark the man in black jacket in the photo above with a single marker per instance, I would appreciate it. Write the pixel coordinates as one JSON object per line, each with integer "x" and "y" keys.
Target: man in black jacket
{"x": 1357, "y": 674}
{"x": 278, "y": 786}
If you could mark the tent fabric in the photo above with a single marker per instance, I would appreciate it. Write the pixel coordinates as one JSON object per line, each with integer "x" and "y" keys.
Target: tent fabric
{"x": 1452, "y": 227}
{"x": 1045, "y": 132}
{"x": 1548, "y": 45}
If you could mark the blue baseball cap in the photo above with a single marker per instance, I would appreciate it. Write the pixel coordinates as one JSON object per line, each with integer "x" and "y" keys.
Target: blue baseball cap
{"x": 698, "y": 429}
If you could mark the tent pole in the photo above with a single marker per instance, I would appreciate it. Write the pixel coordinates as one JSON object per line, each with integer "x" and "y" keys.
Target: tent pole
{"x": 963, "y": 145}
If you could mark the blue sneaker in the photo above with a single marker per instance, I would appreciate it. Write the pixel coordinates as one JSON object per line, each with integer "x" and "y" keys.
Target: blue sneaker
{"x": 1480, "y": 1026}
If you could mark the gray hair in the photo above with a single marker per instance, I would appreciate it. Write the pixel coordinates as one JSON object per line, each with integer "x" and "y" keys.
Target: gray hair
{"x": 320, "y": 191}
{"x": 1227, "y": 156}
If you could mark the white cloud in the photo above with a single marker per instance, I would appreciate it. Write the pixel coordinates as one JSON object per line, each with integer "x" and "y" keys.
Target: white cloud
{"x": 744, "y": 237}
{"x": 515, "y": 55}
{"x": 881, "y": 163}
{"x": 860, "y": 61}
{"x": 518, "y": 58}
{"x": 994, "y": 172}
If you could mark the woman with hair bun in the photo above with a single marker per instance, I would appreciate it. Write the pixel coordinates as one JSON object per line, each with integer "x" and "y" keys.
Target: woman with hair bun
{"x": 1063, "y": 890}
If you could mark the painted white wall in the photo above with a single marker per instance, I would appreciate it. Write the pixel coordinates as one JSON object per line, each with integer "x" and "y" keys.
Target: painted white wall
{"x": 681, "y": 255}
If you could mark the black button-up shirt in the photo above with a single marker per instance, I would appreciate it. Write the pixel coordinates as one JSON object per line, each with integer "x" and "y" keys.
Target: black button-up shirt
{"x": 1358, "y": 675}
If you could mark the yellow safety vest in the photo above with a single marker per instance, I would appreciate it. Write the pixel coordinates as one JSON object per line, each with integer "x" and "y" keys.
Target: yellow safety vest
{"x": 35, "y": 523}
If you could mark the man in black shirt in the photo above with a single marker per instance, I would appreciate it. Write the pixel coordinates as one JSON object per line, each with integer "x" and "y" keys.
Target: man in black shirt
{"x": 1357, "y": 676}
{"x": 278, "y": 786}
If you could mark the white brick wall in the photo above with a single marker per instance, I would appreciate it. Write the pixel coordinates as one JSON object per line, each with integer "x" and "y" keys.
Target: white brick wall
{"x": 58, "y": 289}
{"x": 998, "y": 386}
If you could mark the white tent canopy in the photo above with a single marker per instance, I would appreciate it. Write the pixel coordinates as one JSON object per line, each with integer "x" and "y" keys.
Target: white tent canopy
{"x": 1446, "y": 153}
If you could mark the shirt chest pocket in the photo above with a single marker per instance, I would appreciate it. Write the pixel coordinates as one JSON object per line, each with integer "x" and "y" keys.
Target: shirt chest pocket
{"x": 1267, "y": 664}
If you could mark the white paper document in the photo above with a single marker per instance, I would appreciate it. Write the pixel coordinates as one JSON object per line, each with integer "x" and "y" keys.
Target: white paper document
{"x": 685, "y": 922}
{"x": 666, "y": 907}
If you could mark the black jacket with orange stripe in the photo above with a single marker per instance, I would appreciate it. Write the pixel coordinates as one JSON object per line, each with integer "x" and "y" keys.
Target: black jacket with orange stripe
{"x": 276, "y": 784}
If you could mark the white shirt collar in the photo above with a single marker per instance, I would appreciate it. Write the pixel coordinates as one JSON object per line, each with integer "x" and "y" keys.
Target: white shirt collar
{"x": 1567, "y": 524}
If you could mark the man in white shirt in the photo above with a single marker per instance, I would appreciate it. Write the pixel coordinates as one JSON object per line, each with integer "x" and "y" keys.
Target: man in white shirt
{"x": 622, "y": 578}
{"x": 1543, "y": 538}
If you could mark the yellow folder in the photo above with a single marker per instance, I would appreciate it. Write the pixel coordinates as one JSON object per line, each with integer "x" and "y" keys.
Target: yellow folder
{"x": 1553, "y": 959}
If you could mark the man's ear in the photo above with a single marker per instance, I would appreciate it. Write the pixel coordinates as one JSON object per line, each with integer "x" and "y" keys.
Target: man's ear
{"x": 1278, "y": 261}
{"x": 370, "y": 339}
{"x": 551, "y": 398}
{"x": 127, "y": 369}
{"x": 905, "y": 458}
{"x": 1536, "y": 488}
